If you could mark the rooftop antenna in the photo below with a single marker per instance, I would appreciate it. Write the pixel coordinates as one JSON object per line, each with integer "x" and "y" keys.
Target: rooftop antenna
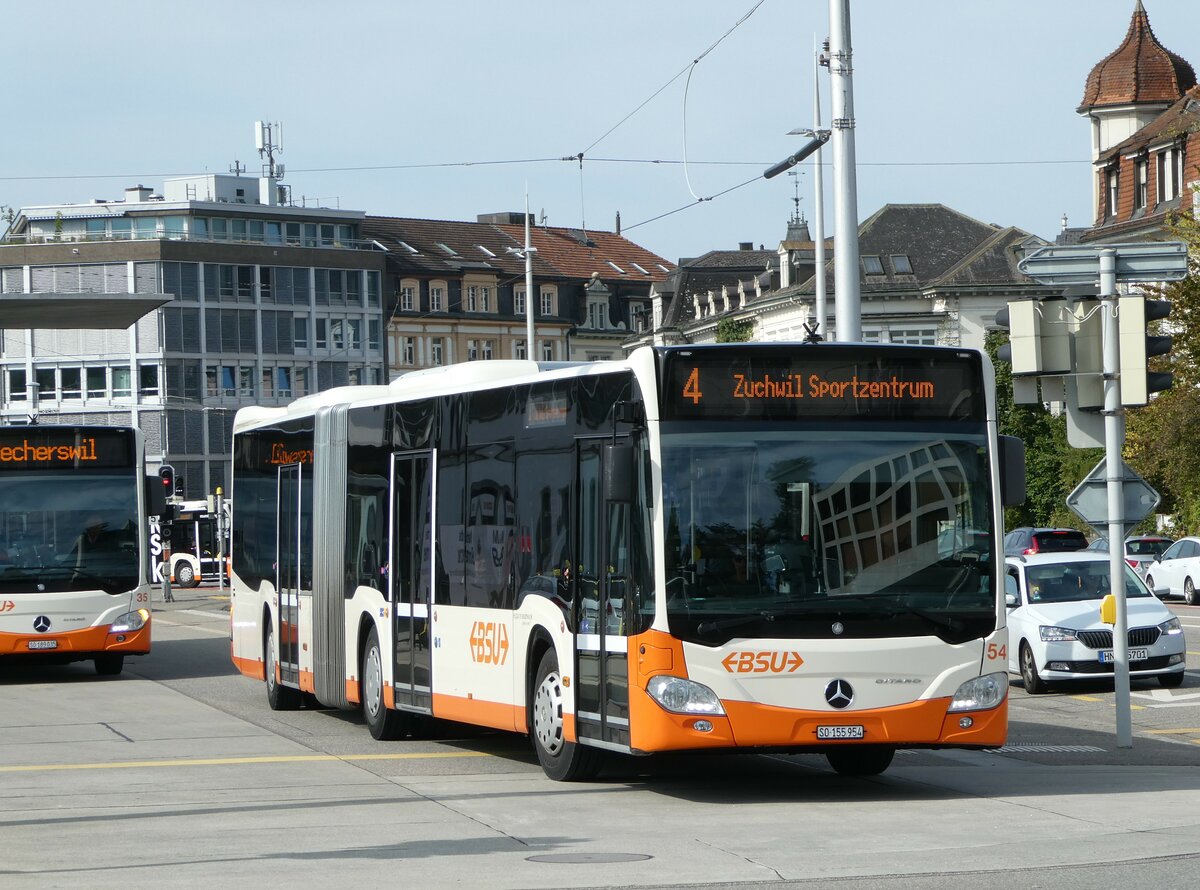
{"x": 237, "y": 168}
{"x": 264, "y": 140}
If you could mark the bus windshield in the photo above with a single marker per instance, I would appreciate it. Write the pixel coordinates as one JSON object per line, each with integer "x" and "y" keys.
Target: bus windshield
{"x": 775, "y": 533}
{"x": 68, "y": 531}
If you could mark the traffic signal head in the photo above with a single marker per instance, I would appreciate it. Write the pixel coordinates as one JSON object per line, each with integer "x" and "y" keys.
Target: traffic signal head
{"x": 166, "y": 475}
{"x": 1138, "y": 347}
{"x": 1038, "y": 343}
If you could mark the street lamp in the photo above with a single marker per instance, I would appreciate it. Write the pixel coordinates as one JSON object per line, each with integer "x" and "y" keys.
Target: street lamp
{"x": 819, "y": 138}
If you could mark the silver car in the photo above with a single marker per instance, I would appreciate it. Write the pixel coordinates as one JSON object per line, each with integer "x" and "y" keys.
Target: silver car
{"x": 1140, "y": 550}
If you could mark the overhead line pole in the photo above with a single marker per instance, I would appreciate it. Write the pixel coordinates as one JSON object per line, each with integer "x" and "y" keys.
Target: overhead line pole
{"x": 847, "y": 299}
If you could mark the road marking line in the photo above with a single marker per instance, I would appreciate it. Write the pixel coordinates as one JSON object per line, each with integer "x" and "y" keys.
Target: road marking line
{"x": 1086, "y": 698}
{"x": 1170, "y": 731}
{"x": 224, "y": 632}
{"x": 238, "y": 761}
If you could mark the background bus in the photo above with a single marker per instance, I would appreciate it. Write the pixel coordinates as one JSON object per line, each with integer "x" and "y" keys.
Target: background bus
{"x": 73, "y": 544}
{"x": 719, "y": 547}
{"x": 197, "y": 551}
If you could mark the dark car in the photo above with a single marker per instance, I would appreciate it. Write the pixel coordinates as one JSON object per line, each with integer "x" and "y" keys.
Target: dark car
{"x": 1024, "y": 541}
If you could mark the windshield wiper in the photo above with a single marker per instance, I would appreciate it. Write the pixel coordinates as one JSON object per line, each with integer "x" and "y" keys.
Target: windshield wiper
{"x": 709, "y": 627}
{"x": 943, "y": 621}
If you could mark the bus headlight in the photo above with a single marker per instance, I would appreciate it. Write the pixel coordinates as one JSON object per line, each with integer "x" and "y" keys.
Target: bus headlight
{"x": 129, "y": 621}
{"x": 682, "y": 696}
{"x": 980, "y": 693}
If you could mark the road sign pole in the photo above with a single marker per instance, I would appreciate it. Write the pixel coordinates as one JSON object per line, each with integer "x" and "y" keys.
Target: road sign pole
{"x": 1114, "y": 437}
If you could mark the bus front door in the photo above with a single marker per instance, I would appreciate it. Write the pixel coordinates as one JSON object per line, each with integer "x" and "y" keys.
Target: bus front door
{"x": 601, "y": 642}
{"x": 287, "y": 562}
{"x": 411, "y": 574}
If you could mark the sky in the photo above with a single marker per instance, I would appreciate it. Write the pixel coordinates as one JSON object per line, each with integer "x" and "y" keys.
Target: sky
{"x": 451, "y": 109}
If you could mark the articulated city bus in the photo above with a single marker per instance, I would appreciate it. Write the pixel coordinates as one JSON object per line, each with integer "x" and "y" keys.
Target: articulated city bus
{"x": 743, "y": 546}
{"x": 73, "y": 538}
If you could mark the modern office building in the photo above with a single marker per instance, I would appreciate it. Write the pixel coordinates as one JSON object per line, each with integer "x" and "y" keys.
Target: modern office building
{"x": 263, "y": 301}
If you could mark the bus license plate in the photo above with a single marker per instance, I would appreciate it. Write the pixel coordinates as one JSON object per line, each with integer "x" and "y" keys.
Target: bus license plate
{"x": 1106, "y": 655}
{"x": 839, "y": 732}
{"x": 43, "y": 644}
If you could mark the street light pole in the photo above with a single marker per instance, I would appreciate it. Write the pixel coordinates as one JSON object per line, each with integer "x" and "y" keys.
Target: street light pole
{"x": 847, "y": 299}
{"x": 529, "y": 351}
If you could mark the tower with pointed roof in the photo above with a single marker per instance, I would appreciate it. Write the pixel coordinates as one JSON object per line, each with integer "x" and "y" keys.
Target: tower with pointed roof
{"x": 1132, "y": 86}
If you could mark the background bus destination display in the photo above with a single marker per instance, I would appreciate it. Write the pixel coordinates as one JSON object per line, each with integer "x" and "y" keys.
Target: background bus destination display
{"x": 821, "y": 383}
{"x": 26, "y": 448}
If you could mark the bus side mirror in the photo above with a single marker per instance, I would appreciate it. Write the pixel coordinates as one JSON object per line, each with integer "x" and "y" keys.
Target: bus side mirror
{"x": 1012, "y": 471}
{"x": 620, "y": 472}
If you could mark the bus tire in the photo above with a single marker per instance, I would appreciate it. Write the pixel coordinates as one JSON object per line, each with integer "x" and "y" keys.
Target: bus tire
{"x": 185, "y": 575}
{"x": 385, "y": 724}
{"x": 109, "y": 665}
{"x": 561, "y": 760}
{"x": 279, "y": 697}
{"x": 861, "y": 760}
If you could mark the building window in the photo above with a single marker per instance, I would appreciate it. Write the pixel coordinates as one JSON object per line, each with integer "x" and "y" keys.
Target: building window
{"x": 914, "y": 336}
{"x": 283, "y": 382}
{"x": 547, "y": 350}
{"x": 519, "y": 301}
{"x": 72, "y": 383}
{"x": 1170, "y": 174}
{"x": 485, "y": 299}
{"x": 548, "y": 296}
{"x": 301, "y": 387}
{"x": 408, "y": 296}
{"x": 436, "y": 355}
{"x": 246, "y": 382}
{"x": 96, "y": 383}
{"x": 408, "y": 350}
{"x": 519, "y": 349}
{"x": 637, "y": 316}
{"x": 373, "y": 336}
{"x": 472, "y": 299}
{"x": 872, "y": 265}
{"x": 322, "y": 333}
{"x": 268, "y": 383}
{"x": 47, "y": 386}
{"x": 1141, "y": 178}
{"x": 488, "y": 349}
{"x": 300, "y": 332}
{"x": 16, "y": 384}
{"x": 472, "y": 350}
{"x": 597, "y": 314}
{"x": 901, "y": 264}
{"x": 122, "y": 383}
{"x": 1112, "y": 181}
{"x": 437, "y": 298}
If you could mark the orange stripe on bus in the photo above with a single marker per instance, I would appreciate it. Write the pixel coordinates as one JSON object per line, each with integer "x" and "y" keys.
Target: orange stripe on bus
{"x": 352, "y": 691}
{"x": 87, "y": 640}
{"x": 307, "y": 683}
{"x": 250, "y": 667}
{"x": 479, "y": 712}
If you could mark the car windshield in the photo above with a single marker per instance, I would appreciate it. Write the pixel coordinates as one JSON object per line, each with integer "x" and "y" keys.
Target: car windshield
{"x": 1059, "y": 542}
{"x": 774, "y": 526}
{"x": 1147, "y": 546}
{"x": 1077, "y": 581}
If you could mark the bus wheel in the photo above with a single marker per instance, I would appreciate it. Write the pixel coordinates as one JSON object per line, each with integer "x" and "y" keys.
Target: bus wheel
{"x": 279, "y": 697}
{"x": 185, "y": 575}
{"x": 385, "y": 725}
{"x": 869, "y": 760}
{"x": 109, "y": 665}
{"x": 561, "y": 760}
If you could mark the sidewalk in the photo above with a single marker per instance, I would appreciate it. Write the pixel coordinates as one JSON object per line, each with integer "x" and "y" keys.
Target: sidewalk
{"x": 207, "y": 597}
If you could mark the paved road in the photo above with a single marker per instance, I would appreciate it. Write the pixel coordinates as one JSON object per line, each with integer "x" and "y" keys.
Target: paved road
{"x": 177, "y": 775}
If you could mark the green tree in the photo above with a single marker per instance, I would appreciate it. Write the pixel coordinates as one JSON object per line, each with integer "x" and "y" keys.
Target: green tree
{"x": 733, "y": 330}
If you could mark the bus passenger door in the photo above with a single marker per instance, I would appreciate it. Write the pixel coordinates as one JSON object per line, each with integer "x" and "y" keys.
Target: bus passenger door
{"x": 601, "y": 643}
{"x": 411, "y": 576}
{"x": 287, "y": 572}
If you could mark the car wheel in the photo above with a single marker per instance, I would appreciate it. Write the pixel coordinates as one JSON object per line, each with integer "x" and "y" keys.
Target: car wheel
{"x": 1189, "y": 593}
{"x": 279, "y": 697}
{"x": 185, "y": 575}
{"x": 867, "y": 760}
{"x": 1034, "y": 684}
{"x": 561, "y": 760}
{"x": 1171, "y": 681}
{"x": 385, "y": 724}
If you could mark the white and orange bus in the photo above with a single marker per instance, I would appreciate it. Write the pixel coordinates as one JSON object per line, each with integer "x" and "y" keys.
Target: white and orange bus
{"x": 740, "y": 546}
{"x": 73, "y": 545}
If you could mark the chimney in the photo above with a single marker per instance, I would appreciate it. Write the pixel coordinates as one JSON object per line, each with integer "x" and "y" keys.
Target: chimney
{"x": 137, "y": 194}
{"x": 618, "y": 222}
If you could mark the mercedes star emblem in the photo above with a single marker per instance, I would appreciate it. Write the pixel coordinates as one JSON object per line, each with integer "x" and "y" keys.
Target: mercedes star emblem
{"x": 839, "y": 694}
{"x": 41, "y": 624}
{"x": 838, "y": 628}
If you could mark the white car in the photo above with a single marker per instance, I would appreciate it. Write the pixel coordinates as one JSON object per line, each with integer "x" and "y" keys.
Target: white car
{"x": 1177, "y": 571}
{"x": 1054, "y": 627}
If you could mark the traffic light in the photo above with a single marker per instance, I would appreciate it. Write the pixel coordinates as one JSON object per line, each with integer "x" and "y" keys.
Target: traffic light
{"x": 1138, "y": 347}
{"x": 166, "y": 475}
{"x": 1038, "y": 343}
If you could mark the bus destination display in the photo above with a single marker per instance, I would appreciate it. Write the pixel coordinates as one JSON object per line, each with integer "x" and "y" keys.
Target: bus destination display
{"x": 823, "y": 382}
{"x": 43, "y": 448}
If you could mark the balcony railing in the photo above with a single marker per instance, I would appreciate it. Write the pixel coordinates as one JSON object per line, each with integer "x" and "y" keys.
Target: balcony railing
{"x": 256, "y": 240}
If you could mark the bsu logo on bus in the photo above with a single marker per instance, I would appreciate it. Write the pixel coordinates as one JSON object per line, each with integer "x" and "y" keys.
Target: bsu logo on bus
{"x": 762, "y": 662}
